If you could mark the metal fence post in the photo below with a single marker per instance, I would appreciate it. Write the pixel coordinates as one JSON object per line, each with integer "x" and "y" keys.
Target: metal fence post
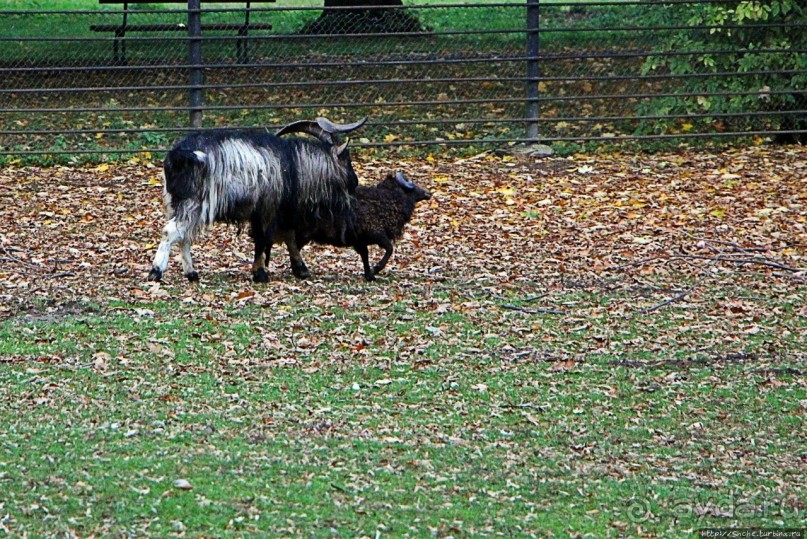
{"x": 195, "y": 61}
{"x": 533, "y": 48}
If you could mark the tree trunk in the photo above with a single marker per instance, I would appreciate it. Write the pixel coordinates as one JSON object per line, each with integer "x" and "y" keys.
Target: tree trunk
{"x": 360, "y": 3}
{"x": 361, "y": 18}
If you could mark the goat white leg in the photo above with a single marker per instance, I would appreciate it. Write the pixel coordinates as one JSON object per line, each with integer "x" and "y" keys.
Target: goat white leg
{"x": 187, "y": 260}
{"x": 171, "y": 235}
{"x": 259, "y": 236}
{"x": 259, "y": 274}
{"x": 259, "y": 263}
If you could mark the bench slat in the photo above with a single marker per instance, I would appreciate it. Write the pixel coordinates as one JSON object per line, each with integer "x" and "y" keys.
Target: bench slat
{"x": 175, "y": 27}
{"x": 120, "y": 30}
{"x": 179, "y": 1}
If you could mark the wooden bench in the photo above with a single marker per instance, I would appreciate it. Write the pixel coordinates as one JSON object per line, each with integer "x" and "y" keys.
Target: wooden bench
{"x": 120, "y": 30}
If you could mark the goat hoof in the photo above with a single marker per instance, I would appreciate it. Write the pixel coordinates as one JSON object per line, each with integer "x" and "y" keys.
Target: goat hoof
{"x": 301, "y": 271}
{"x": 260, "y": 276}
{"x": 369, "y": 276}
{"x": 155, "y": 275}
{"x": 192, "y": 276}
{"x": 377, "y": 270}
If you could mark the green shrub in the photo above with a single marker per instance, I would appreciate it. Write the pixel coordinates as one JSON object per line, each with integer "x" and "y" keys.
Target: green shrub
{"x": 735, "y": 46}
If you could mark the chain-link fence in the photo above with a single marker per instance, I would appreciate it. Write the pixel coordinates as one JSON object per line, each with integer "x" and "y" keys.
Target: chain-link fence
{"x": 117, "y": 76}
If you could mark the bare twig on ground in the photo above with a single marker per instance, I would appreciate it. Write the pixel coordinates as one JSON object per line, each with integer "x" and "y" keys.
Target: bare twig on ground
{"x": 472, "y": 158}
{"x": 718, "y": 258}
{"x": 532, "y": 311}
{"x": 736, "y": 246}
{"x": 12, "y": 258}
{"x": 674, "y": 298}
{"x": 733, "y": 357}
{"x": 640, "y": 262}
{"x": 535, "y": 298}
{"x": 59, "y": 275}
{"x": 723, "y": 258}
{"x": 681, "y": 295}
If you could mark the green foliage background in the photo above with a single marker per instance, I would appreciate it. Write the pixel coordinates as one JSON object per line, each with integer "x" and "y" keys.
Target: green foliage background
{"x": 738, "y": 39}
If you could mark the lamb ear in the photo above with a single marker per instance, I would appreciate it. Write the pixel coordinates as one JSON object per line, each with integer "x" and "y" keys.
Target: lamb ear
{"x": 406, "y": 184}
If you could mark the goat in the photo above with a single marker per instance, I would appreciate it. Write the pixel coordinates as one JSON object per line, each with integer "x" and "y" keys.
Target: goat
{"x": 256, "y": 177}
{"x": 378, "y": 218}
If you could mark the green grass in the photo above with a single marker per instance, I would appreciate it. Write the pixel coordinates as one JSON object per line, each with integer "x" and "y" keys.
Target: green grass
{"x": 286, "y": 22}
{"x": 346, "y": 412}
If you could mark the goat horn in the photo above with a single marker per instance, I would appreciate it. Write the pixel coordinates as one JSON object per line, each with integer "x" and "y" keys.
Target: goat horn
{"x": 333, "y": 128}
{"x": 306, "y": 126}
{"x": 406, "y": 184}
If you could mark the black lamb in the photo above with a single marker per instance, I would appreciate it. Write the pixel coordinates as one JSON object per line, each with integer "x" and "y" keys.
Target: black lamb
{"x": 381, "y": 212}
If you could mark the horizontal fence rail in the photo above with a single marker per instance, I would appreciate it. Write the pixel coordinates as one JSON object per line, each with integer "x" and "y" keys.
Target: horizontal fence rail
{"x": 126, "y": 79}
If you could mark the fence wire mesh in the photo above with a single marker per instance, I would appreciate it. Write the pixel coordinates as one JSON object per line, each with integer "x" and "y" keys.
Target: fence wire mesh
{"x": 115, "y": 77}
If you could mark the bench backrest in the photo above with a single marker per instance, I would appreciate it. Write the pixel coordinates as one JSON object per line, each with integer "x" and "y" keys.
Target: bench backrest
{"x": 180, "y": 1}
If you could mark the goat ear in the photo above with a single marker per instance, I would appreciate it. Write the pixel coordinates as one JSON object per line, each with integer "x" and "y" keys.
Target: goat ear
{"x": 338, "y": 151}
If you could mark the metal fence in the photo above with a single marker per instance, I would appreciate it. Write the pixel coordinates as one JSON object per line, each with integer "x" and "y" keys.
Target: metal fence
{"x": 117, "y": 78}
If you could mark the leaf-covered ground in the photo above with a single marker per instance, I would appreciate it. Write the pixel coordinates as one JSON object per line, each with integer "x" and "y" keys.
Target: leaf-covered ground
{"x": 610, "y": 344}
{"x": 645, "y": 226}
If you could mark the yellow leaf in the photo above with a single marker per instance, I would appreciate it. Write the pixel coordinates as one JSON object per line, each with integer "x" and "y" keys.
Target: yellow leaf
{"x": 103, "y": 167}
{"x": 637, "y": 203}
{"x": 718, "y": 212}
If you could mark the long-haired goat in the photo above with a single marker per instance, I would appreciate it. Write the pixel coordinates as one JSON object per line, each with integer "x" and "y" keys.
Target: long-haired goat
{"x": 255, "y": 177}
{"x": 377, "y": 218}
